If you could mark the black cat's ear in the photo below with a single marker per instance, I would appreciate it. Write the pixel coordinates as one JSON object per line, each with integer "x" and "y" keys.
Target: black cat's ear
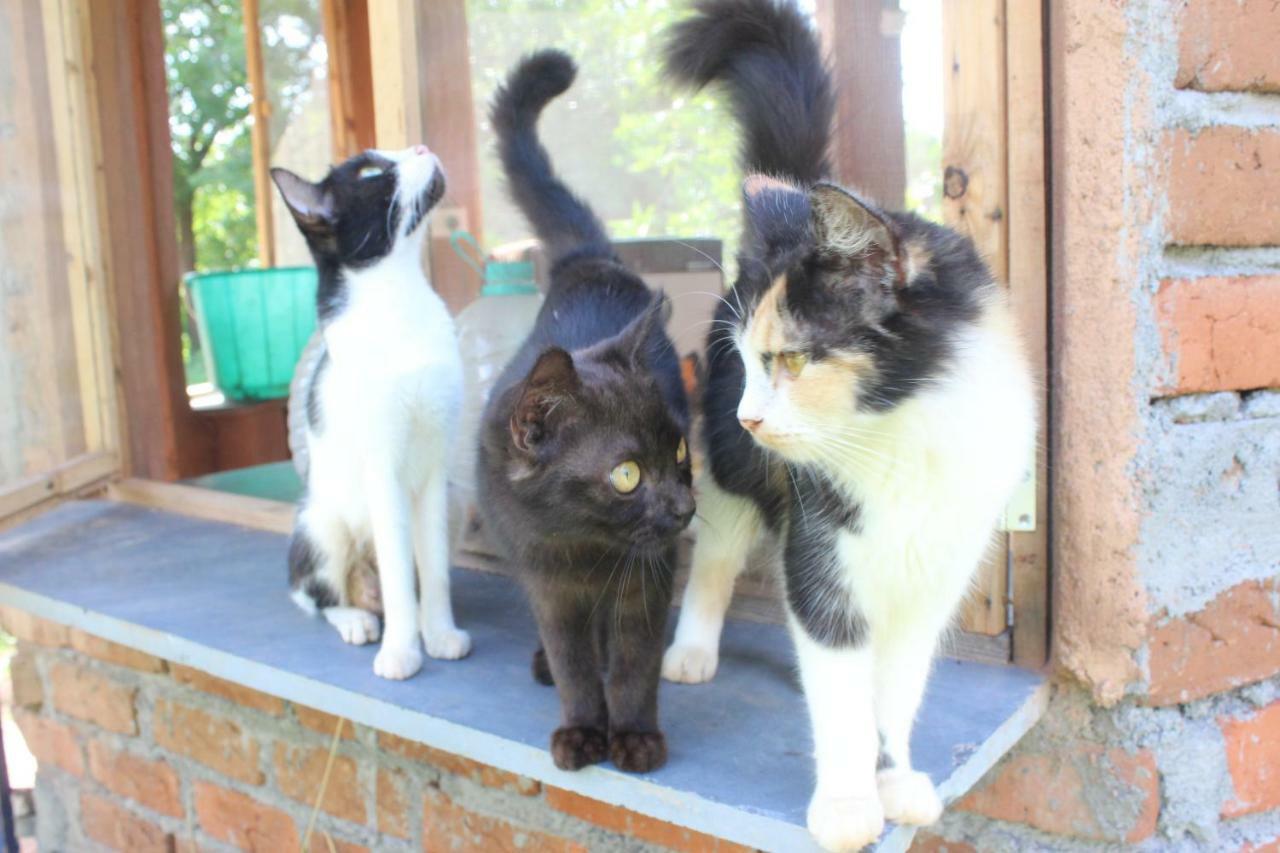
{"x": 552, "y": 380}
{"x": 846, "y": 226}
{"x": 633, "y": 340}
{"x": 776, "y": 213}
{"x": 310, "y": 204}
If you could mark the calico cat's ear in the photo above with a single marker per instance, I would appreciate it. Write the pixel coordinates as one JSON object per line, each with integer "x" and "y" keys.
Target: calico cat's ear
{"x": 552, "y": 380}
{"x": 847, "y": 226}
{"x": 633, "y": 340}
{"x": 311, "y": 205}
{"x": 777, "y": 216}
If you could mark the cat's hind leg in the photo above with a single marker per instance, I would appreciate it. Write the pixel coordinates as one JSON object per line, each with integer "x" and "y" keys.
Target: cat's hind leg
{"x": 320, "y": 555}
{"x": 728, "y": 527}
{"x": 440, "y": 634}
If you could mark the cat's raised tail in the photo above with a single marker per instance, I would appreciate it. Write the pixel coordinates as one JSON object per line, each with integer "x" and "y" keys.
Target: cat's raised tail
{"x": 563, "y": 222}
{"x": 766, "y": 56}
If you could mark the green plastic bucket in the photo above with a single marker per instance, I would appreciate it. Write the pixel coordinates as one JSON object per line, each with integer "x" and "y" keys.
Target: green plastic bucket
{"x": 254, "y": 325}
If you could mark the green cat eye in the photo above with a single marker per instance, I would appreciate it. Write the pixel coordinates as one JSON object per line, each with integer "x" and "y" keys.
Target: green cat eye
{"x": 625, "y": 477}
{"x": 370, "y": 172}
{"x": 793, "y": 362}
{"x": 682, "y": 452}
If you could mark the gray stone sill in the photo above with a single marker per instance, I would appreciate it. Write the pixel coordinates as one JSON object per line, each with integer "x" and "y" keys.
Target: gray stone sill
{"x": 212, "y": 596}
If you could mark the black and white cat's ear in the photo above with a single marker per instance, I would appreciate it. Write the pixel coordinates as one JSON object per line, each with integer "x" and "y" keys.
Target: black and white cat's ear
{"x": 310, "y": 204}
{"x": 845, "y": 225}
{"x": 552, "y": 380}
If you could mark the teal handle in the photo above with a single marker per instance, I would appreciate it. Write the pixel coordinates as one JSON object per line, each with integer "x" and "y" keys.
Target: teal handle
{"x": 458, "y": 237}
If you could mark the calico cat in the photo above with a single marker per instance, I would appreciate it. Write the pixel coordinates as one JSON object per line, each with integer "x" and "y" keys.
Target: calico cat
{"x": 583, "y": 468}
{"x": 382, "y": 406}
{"x": 867, "y": 401}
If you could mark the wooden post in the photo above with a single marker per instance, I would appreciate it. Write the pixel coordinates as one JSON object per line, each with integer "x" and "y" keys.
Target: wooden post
{"x": 76, "y": 140}
{"x": 261, "y": 141}
{"x": 868, "y": 149}
{"x": 346, "y": 33}
{"x": 1029, "y": 292}
{"x": 975, "y": 202}
{"x": 422, "y": 92}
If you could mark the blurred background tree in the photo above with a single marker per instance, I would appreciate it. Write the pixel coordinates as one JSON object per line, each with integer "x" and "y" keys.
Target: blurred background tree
{"x": 209, "y": 122}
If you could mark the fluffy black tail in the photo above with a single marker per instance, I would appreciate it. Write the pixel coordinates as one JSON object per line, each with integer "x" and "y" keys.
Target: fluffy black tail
{"x": 766, "y": 56}
{"x": 563, "y": 222}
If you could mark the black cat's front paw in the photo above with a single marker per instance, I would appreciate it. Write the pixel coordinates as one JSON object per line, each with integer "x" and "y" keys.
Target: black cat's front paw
{"x": 637, "y": 752}
{"x": 542, "y": 669}
{"x": 574, "y": 747}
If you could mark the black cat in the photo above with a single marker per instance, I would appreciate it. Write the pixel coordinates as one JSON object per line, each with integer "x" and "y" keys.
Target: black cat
{"x": 583, "y": 468}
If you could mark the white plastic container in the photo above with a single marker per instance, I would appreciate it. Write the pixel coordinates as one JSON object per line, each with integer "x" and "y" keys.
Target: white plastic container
{"x": 490, "y": 331}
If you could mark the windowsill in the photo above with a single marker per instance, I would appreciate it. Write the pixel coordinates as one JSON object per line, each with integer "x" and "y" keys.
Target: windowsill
{"x": 211, "y": 596}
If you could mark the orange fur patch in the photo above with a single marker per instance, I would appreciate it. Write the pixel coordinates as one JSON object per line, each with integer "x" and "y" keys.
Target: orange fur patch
{"x": 767, "y": 333}
{"x": 826, "y": 387}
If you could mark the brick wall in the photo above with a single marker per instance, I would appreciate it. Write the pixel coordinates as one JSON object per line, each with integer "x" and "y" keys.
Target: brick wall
{"x": 1164, "y": 729}
{"x": 139, "y": 754}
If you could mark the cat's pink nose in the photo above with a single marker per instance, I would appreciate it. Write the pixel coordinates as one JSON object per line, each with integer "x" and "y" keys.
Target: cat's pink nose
{"x": 750, "y": 424}
{"x": 421, "y": 150}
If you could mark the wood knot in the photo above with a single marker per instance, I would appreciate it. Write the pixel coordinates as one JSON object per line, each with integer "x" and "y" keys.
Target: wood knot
{"x": 954, "y": 182}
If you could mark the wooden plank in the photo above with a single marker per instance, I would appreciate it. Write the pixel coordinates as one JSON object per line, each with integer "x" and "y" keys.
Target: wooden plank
{"x": 75, "y": 140}
{"x": 73, "y": 475}
{"x": 1029, "y": 292}
{"x": 974, "y": 156}
{"x": 451, "y": 133}
{"x": 260, "y": 110}
{"x": 868, "y": 150}
{"x": 123, "y": 53}
{"x": 257, "y": 513}
{"x": 346, "y": 33}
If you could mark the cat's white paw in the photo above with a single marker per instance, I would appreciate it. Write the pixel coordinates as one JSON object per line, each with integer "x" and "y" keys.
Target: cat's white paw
{"x": 450, "y": 644}
{"x": 354, "y": 626}
{"x": 689, "y": 664}
{"x": 397, "y": 662}
{"x": 845, "y": 824}
{"x": 908, "y": 797}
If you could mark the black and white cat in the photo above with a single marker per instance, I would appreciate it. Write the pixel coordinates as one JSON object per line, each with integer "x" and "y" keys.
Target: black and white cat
{"x": 868, "y": 401}
{"x": 382, "y": 408}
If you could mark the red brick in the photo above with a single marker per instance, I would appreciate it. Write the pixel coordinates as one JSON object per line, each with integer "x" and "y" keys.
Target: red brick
{"x": 1229, "y": 46}
{"x": 634, "y": 825}
{"x": 927, "y": 842}
{"x": 118, "y": 829}
{"x": 51, "y": 742}
{"x": 1272, "y": 846}
{"x": 28, "y": 691}
{"x": 105, "y": 650}
{"x": 153, "y": 784}
{"x": 393, "y": 803}
{"x": 448, "y": 826}
{"x": 1224, "y": 187}
{"x": 1233, "y": 641}
{"x": 32, "y": 629}
{"x": 1220, "y": 334}
{"x": 484, "y": 774}
{"x": 320, "y": 844}
{"x": 227, "y": 690}
{"x": 299, "y": 771}
{"x": 214, "y": 741}
{"x": 325, "y": 724}
{"x": 1047, "y": 791}
{"x": 232, "y": 817}
{"x": 1253, "y": 757}
{"x": 93, "y": 697}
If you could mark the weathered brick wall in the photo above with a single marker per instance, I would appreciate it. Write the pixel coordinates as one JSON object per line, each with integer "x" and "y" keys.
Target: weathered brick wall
{"x": 140, "y": 754}
{"x": 1164, "y": 731}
